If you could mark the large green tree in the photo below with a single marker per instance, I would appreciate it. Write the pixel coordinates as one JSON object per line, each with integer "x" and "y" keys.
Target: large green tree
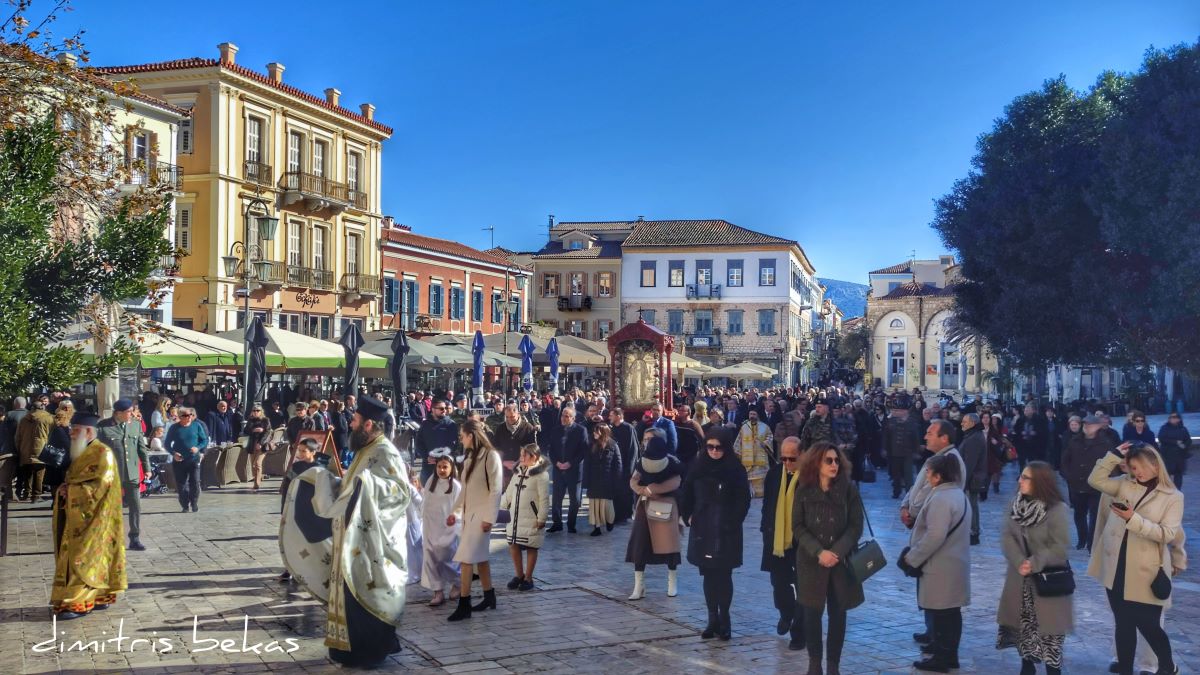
{"x": 71, "y": 244}
{"x": 1073, "y": 226}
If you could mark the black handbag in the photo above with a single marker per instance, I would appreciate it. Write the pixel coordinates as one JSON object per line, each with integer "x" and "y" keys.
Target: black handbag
{"x": 867, "y": 557}
{"x": 1161, "y": 586}
{"x": 1053, "y": 581}
{"x": 53, "y": 457}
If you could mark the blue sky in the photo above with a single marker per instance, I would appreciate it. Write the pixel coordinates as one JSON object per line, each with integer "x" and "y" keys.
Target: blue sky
{"x": 834, "y": 125}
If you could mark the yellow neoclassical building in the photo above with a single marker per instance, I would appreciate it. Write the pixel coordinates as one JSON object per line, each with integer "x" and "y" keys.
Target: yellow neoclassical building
{"x": 256, "y": 146}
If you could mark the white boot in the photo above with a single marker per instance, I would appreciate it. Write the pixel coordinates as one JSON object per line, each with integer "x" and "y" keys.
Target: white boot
{"x": 672, "y": 586}
{"x": 639, "y": 586}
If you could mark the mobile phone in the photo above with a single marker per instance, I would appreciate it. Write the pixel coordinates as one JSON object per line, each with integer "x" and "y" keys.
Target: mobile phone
{"x": 1120, "y": 507}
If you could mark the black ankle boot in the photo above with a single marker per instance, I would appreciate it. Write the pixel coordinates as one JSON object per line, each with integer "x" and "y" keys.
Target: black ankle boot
{"x": 710, "y": 631}
{"x": 724, "y": 631}
{"x": 596, "y": 531}
{"x": 488, "y": 602}
{"x": 463, "y": 611}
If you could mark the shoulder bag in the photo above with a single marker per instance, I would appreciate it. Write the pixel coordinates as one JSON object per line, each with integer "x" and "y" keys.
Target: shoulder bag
{"x": 659, "y": 509}
{"x": 867, "y": 557}
{"x": 1161, "y": 586}
{"x": 1053, "y": 581}
{"x": 53, "y": 457}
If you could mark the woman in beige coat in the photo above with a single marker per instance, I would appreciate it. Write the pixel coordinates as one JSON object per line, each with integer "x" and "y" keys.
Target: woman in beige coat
{"x": 657, "y": 529}
{"x": 1036, "y": 537}
{"x": 1146, "y": 515}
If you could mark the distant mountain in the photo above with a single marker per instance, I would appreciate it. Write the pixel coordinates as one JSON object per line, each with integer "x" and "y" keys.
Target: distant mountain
{"x": 850, "y": 297}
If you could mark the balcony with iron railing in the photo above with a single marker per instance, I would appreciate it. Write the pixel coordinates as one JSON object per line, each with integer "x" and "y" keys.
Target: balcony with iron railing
{"x": 710, "y": 339}
{"x": 307, "y": 277}
{"x": 258, "y": 173}
{"x": 276, "y": 277}
{"x": 365, "y": 285}
{"x": 138, "y": 173}
{"x": 572, "y": 303}
{"x": 703, "y": 291}
{"x": 317, "y": 192}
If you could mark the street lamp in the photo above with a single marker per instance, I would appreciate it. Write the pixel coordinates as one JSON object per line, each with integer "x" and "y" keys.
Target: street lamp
{"x": 509, "y": 306}
{"x": 246, "y": 261}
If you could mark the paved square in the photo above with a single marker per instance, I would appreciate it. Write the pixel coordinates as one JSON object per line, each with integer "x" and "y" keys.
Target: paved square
{"x": 209, "y": 577}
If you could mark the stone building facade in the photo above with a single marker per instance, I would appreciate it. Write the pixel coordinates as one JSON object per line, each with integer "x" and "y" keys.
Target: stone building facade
{"x": 912, "y": 344}
{"x": 578, "y": 277}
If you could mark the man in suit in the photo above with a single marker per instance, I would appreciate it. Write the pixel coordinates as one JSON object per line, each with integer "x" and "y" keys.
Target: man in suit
{"x": 568, "y": 448}
{"x": 513, "y": 433}
{"x": 627, "y": 440}
{"x": 657, "y": 421}
{"x": 123, "y": 434}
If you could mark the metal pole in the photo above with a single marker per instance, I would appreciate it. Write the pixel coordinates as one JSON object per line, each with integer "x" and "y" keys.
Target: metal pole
{"x": 507, "y": 328}
{"x": 246, "y": 322}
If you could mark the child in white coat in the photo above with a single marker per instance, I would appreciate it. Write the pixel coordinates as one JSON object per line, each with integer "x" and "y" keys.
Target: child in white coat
{"x": 440, "y": 542}
{"x": 528, "y": 500}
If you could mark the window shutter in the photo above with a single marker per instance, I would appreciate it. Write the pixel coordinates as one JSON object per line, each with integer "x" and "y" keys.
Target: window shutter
{"x": 183, "y": 228}
{"x": 185, "y": 136}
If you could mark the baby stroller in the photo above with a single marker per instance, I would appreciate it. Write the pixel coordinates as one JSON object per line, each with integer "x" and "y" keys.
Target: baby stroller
{"x": 156, "y": 482}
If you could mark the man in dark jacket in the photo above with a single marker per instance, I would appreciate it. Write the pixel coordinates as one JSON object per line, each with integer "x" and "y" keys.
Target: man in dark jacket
{"x": 901, "y": 442}
{"x": 221, "y": 426}
{"x": 627, "y": 440}
{"x": 1030, "y": 436}
{"x": 818, "y": 427}
{"x": 782, "y": 567}
{"x": 973, "y": 448}
{"x": 568, "y": 448}
{"x": 1078, "y": 460}
{"x": 513, "y": 433}
{"x": 436, "y": 431}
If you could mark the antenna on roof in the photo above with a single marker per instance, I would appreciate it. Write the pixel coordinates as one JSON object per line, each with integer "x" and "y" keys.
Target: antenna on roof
{"x": 641, "y": 218}
{"x": 492, "y": 231}
{"x": 550, "y": 231}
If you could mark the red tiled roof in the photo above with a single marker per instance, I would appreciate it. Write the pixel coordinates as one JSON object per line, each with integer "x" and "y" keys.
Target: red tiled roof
{"x": 698, "y": 233}
{"x": 912, "y": 289}
{"x": 444, "y": 246}
{"x": 188, "y": 64}
{"x": 901, "y": 268}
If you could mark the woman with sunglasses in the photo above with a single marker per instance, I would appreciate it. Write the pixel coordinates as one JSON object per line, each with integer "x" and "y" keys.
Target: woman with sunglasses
{"x": 827, "y": 521}
{"x": 714, "y": 503}
{"x": 1175, "y": 444}
{"x": 1035, "y": 537}
{"x": 1137, "y": 430}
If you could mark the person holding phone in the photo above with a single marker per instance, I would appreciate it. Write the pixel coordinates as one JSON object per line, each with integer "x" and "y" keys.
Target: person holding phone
{"x": 1133, "y": 550}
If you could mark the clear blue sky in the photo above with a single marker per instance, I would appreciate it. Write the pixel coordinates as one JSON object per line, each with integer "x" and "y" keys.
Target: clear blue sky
{"x": 835, "y": 125}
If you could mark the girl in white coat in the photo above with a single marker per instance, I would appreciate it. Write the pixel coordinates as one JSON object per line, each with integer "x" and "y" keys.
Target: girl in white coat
{"x": 439, "y": 571}
{"x": 528, "y": 498}
{"x": 476, "y": 507}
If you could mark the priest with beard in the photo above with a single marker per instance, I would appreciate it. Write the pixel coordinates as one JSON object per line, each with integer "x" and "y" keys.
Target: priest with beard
{"x": 344, "y": 540}
{"x": 89, "y": 534}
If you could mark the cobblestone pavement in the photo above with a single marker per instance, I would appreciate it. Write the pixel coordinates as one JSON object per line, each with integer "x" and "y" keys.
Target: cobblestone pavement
{"x": 209, "y": 576}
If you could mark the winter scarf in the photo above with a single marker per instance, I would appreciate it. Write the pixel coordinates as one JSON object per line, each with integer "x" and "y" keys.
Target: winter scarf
{"x": 1028, "y": 511}
{"x": 783, "y": 513}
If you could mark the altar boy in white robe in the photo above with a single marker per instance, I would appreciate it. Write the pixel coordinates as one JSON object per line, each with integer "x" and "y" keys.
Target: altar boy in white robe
{"x": 344, "y": 540}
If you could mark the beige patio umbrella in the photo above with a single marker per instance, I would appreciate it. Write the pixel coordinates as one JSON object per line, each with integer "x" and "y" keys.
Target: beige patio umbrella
{"x": 307, "y": 354}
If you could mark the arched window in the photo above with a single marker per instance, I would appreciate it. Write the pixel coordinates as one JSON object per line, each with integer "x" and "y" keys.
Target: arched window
{"x": 896, "y": 323}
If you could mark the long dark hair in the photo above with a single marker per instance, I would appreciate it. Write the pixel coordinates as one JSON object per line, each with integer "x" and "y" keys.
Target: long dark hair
{"x": 605, "y": 431}
{"x": 480, "y": 444}
{"x": 433, "y": 483}
{"x": 1044, "y": 483}
{"x": 810, "y": 463}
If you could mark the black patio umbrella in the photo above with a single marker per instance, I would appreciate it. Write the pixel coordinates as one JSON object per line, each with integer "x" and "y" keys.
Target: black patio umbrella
{"x": 256, "y": 367}
{"x": 351, "y": 341}
{"x": 399, "y": 372}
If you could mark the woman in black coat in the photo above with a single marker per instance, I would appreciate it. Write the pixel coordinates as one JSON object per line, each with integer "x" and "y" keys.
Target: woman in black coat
{"x": 1175, "y": 443}
{"x": 827, "y": 519}
{"x": 601, "y": 477}
{"x": 713, "y": 503}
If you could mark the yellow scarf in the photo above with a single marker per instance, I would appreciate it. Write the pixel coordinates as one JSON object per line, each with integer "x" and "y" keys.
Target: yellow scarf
{"x": 783, "y": 513}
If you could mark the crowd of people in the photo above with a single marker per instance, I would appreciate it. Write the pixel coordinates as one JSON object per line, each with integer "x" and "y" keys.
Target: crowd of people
{"x": 697, "y": 468}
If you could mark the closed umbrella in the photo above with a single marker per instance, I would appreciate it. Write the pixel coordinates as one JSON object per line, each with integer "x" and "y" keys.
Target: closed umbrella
{"x": 552, "y": 352}
{"x": 256, "y": 371}
{"x": 399, "y": 371}
{"x": 527, "y": 363}
{"x": 477, "y": 370}
{"x": 352, "y": 341}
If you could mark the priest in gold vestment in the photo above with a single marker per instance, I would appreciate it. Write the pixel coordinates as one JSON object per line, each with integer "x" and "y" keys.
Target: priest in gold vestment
{"x": 89, "y": 536}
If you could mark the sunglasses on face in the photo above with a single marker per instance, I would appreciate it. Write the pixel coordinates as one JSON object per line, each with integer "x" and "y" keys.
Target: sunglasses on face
{"x": 829, "y": 461}
{"x": 185, "y": 415}
{"x": 789, "y": 459}
{"x": 1139, "y": 419}
{"x": 715, "y": 446}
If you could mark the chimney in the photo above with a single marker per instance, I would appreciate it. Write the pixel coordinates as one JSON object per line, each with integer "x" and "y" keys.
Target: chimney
{"x": 68, "y": 59}
{"x": 641, "y": 218}
{"x": 275, "y": 70}
{"x": 332, "y": 95}
{"x": 228, "y": 52}
{"x": 368, "y": 111}
{"x": 388, "y": 221}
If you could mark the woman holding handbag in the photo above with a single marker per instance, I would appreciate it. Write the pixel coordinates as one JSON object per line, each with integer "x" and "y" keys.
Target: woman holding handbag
{"x": 713, "y": 504}
{"x": 655, "y": 536}
{"x": 827, "y": 518}
{"x": 1036, "y": 610}
{"x": 1131, "y": 556}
